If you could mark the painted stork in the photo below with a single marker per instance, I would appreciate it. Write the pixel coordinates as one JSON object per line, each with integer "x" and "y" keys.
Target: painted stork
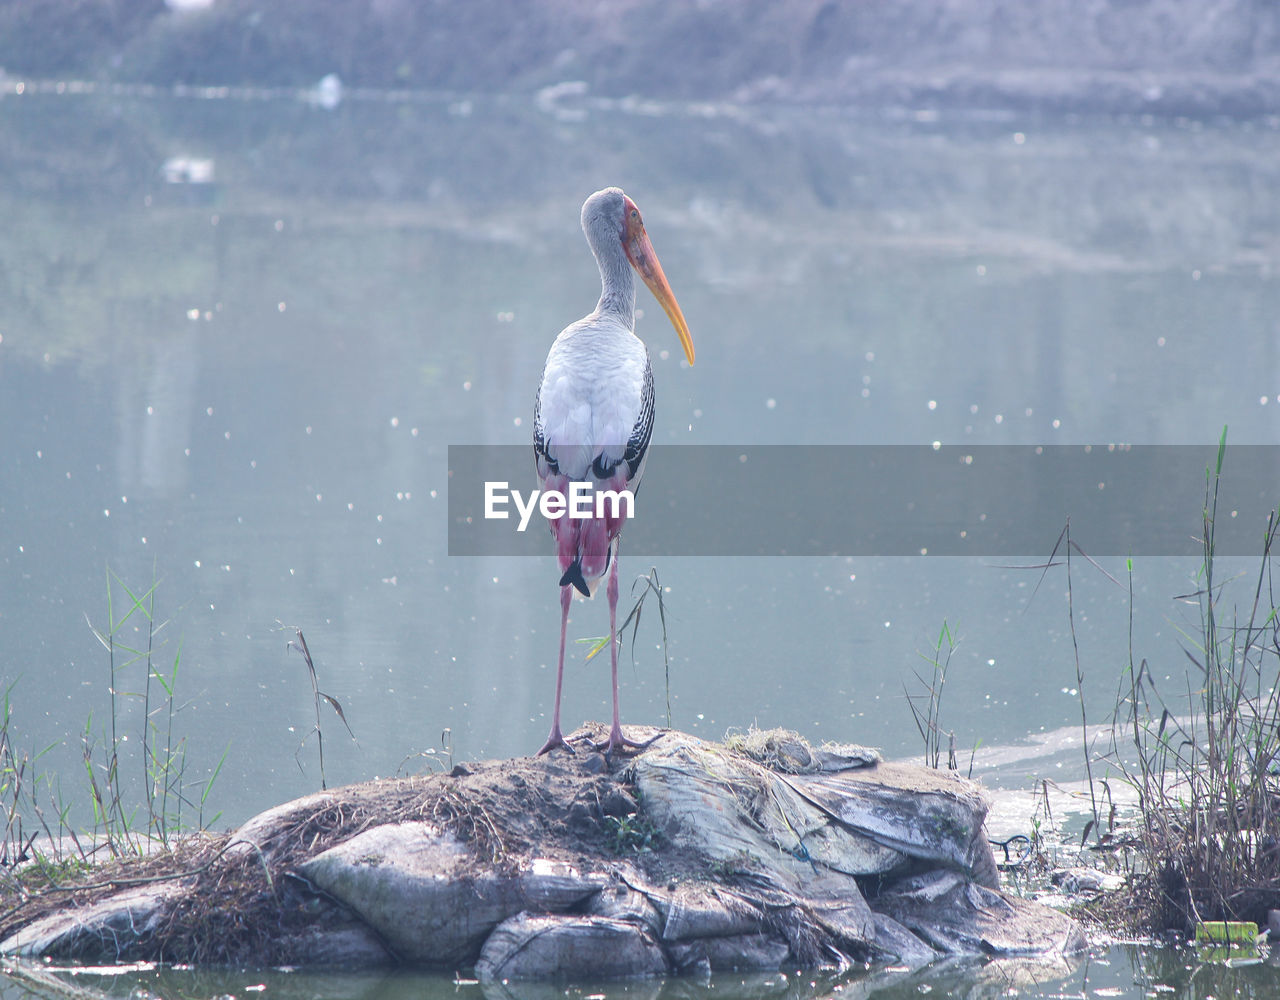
{"x": 594, "y": 415}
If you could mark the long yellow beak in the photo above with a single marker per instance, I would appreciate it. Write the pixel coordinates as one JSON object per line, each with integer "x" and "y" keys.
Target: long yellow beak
{"x": 643, "y": 258}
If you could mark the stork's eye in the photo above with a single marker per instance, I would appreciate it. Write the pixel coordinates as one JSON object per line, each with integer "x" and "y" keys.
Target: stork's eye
{"x": 635, "y": 215}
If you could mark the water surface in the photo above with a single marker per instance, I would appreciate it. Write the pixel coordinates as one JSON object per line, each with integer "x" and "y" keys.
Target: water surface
{"x": 1128, "y": 972}
{"x": 240, "y": 333}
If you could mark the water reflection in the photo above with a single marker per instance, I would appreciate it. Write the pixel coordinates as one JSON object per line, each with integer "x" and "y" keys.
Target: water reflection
{"x": 1124, "y": 971}
{"x": 247, "y": 388}
{"x": 992, "y": 978}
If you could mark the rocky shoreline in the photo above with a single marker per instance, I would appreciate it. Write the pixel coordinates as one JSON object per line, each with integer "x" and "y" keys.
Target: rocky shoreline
{"x": 762, "y": 853}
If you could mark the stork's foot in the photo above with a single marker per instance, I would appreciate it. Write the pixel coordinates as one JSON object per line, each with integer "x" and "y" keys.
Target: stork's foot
{"x": 553, "y": 741}
{"x": 617, "y": 743}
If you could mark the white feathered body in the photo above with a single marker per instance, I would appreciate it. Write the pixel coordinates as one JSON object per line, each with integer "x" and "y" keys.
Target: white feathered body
{"x": 592, "y": 423}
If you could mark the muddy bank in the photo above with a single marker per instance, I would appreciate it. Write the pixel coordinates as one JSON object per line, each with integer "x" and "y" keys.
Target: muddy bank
{"x": 763, "y": 853}
{"x": 1180, "y": 57}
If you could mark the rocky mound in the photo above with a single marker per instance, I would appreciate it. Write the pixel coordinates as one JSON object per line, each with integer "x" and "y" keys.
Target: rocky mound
{"x": 760, "y": 853}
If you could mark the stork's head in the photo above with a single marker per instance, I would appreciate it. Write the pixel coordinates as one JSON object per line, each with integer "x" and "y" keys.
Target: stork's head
{"x": 610, "y": 211}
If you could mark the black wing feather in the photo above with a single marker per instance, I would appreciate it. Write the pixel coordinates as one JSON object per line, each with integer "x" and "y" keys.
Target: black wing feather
{"x": 638, "y": 443}
{"x": 541, "y": 456}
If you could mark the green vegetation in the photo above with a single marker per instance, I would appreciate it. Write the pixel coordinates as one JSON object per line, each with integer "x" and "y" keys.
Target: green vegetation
{"x": 139, "y": 801}
{"x": 649, "y": 584}
{"x": 1205, "y": 763}
{"x": 631, "y": 834}
{"x": 149, "y": 817}
{"x": 164, "y": 757}
{"x": 22, "y": 790}
{"x": 634, "y": 832}
{"x": 926, "y": 718}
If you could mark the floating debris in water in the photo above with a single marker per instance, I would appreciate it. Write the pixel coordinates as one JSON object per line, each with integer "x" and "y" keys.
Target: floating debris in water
{"x": 326, "y": 94}
{"x": 187, "y": 170}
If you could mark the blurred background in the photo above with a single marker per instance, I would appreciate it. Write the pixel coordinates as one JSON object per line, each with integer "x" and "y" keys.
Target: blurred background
{"x": 263, "y": 263}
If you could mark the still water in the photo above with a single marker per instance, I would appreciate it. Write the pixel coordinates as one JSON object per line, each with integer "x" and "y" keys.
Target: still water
{"x": 1123, "y": 971}
{"x": 238, "y": 334}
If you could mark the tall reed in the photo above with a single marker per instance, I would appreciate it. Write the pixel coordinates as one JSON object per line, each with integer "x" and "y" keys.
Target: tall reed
{"x": 1204, "y": 763}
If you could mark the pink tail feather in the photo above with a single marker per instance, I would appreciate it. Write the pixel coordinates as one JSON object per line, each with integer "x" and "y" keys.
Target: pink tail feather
{"x": 583, "y": 544}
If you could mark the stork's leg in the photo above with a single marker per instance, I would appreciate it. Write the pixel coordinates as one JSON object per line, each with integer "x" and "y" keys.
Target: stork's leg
{"x": 616, "y": 739}
{"x": 555, "y": 739}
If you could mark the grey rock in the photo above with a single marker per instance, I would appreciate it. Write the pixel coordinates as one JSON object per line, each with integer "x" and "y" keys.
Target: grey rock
{"x": 420, "y": 889}
{"x": 622, "y": 902}
{"x": 110, "y": 929}
{"x": 845, "y": 756}
{"x": 1080, "y": 879}
{"x": 550, "y": 885}
{"x": 958, "y": 917}
{"x": 617, "y": 803}
{"x": 351, "y": 945}
{"x": 545, "y": 947}
{"x": 697, "y": 910}
{"x": 980, "y": 861}
{"x": 131, "y": 926}
{"x": 735, "y": 810}
{"x": 927, "y": 814}
{"x": 896, "y": 945}
{"x": 741, "y": 952}
{"x": 732, "y": 809}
